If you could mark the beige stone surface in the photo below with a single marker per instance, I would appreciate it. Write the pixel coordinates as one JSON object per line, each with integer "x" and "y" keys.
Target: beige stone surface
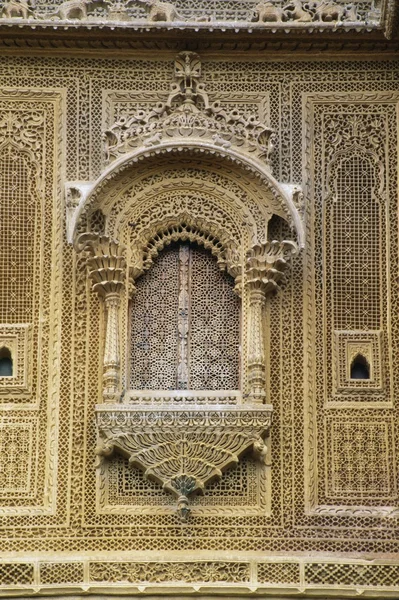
{"x": 196, "y": 248}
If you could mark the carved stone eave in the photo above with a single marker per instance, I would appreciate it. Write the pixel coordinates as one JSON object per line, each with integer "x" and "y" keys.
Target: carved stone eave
{"x": 91, "y": 190}
{"x": 183, "y": 447}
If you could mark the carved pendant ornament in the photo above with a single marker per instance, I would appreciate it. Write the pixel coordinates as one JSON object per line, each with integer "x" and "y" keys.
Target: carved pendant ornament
{"x": 184, "y": 438}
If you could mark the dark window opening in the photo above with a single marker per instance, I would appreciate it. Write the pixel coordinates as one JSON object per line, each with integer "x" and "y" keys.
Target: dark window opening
{"x": 6, "y": 366}
{"x": 277, "y": 229}
{"x": 360, "y": 368}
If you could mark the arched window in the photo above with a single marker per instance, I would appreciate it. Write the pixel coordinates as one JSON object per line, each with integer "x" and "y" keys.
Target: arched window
{"x": 6, "y": 364}
{"x": 185, "y": 324}
{"x": 360, "y": 368}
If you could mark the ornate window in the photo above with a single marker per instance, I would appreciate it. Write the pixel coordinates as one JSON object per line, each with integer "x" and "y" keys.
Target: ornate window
{"x": 185, "y": 324}
{"x": 178, "y": 251}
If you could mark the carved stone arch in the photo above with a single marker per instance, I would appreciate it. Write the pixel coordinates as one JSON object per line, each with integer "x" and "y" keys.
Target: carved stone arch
{"x": 196, "y": 170}
{"x": 184, "y": 227}
{"x": 261, "y": 180}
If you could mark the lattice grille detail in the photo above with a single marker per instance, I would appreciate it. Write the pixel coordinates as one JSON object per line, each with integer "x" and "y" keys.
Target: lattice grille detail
{"x": 190, "y": 338}
{"x": 352, "y": 574}
{"x": 12, "y": 574}
{"x": 19, "y": 210}
{"x": 279, "y": 572}
{"x": 355, "y": 238}
{"x": 61, "y": 572}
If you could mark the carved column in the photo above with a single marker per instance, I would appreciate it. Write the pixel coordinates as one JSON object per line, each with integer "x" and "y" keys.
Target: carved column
{"x": 264, "y": 270}
{"x": 107, "y": 271}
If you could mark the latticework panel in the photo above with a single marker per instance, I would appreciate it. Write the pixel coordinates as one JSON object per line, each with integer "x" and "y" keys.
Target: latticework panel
{"x": 322, "y": 501}
{"x": 20, "y": 212}
{"x": 185, "y": 324}
{"x": 355, "y": 226}
{"x": 154, "y": 326}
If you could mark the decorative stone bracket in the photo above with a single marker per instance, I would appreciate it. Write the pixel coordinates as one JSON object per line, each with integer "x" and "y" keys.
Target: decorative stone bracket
{"x": 183, "y": 448}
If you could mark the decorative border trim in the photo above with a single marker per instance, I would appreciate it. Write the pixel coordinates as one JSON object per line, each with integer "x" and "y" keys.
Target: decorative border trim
{"x": 241, "y": 574}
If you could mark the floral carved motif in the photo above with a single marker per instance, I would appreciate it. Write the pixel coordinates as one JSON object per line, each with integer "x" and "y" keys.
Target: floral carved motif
{"x": 188, "y": 113}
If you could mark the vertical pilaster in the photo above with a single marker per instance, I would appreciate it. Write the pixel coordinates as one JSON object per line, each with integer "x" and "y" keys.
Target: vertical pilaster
{"x": 264, "y": 270}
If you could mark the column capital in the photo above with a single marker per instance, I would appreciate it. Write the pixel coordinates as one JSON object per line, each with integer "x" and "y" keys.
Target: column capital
{"x": 106, "y": 263}
{"x": 265, "y": 265}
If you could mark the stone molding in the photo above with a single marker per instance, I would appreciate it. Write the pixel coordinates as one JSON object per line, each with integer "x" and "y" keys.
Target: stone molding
{"x": 278, "y": 15}
{"x": 229, "y": 573}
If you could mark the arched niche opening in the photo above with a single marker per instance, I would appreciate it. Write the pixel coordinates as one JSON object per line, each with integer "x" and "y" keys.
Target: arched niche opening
{"x": 6, "y": 363}
{"x": 184, "y": 323}
{"x": 360, "y": 368}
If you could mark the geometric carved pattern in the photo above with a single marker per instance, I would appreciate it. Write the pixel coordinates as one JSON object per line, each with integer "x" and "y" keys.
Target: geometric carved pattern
{"x": 359, "y": 457}
{"x": 352, "y": 574}
{"x": 279, "y": 572}
{"x": 61, "y": 572}
{"x": 14, "y": 574}
{"x": 16, "y": 444}
{"x": 184, "y": 316}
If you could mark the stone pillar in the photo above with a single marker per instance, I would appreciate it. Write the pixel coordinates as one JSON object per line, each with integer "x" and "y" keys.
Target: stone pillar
{"x": 111, "y": 365}
{"x": 107, "y": 271}
{"x": 264, "y": 270}
{"x": 256, "y": 346}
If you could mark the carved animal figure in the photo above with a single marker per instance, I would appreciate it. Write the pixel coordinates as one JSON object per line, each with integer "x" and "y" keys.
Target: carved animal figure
{"x": 298, "y": 11}
{"x": 269, "y": 13}
{"x": 328, "y": 11}
{"x": 351, "y": 13}
{"x": 72, "y": 9}
{"x": 219, "y": 141}
{"x": 17, "y": 9}
{"x": 161, "y": 11}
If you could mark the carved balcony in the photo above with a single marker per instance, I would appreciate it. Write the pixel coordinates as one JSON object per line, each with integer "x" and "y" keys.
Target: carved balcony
{"x": 184, "y": 447}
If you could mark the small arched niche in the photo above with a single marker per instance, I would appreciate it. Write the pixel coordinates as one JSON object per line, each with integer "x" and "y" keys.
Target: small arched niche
{"x": 6, "y": 362}
{"x": 360, "y": 368}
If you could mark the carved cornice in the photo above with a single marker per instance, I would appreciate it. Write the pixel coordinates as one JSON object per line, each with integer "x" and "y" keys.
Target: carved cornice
{"x": 249, "y": 15}
{"x": 300, "y": 44}
{"x": 184, "y": 448}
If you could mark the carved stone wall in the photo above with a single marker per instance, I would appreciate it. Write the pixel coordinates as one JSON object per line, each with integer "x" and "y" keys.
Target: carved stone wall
{"x": 321, "y": 512}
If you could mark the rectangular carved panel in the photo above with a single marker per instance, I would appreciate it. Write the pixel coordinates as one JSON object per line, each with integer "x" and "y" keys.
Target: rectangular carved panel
{"x": 353, "y": 140}
{"x": 30, "y": 297}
